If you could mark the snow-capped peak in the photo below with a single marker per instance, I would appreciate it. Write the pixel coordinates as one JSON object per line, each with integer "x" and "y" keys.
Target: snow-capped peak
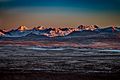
{"x": 22, "y": 28}
{"x": 92, "y": 27}
{"x": 39, "y": 28}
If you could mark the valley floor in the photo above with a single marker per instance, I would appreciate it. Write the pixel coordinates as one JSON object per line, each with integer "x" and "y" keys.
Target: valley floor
{"x": 25, "y": 61}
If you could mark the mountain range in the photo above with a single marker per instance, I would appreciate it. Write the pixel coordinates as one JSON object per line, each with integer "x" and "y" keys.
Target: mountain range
{"x": 42, "y": 32}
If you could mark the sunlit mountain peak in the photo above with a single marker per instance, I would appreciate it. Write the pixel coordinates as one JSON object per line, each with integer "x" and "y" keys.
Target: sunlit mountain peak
{"x": 39, "y": 28}
{"x": 87, "y": 27}
{"x": 22, "y": 28}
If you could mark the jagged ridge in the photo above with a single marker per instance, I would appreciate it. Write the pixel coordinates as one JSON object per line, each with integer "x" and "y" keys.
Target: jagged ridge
{"x": 23, "y": 31}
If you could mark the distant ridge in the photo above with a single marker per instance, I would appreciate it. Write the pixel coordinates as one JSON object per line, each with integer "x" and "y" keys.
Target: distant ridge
{"x": 43, "y": 32}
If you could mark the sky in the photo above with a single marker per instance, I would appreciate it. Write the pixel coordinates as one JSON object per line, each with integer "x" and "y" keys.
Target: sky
{"x": 59, "y": 13}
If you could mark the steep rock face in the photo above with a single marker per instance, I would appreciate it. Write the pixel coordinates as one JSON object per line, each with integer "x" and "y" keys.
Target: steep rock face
{"x": 56, "y": 32}
{"x": 1, "y": 34}
{"x": 22, "y": 28}
{"x": 59, "y": 32}
{"x": 2, "y": 31}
